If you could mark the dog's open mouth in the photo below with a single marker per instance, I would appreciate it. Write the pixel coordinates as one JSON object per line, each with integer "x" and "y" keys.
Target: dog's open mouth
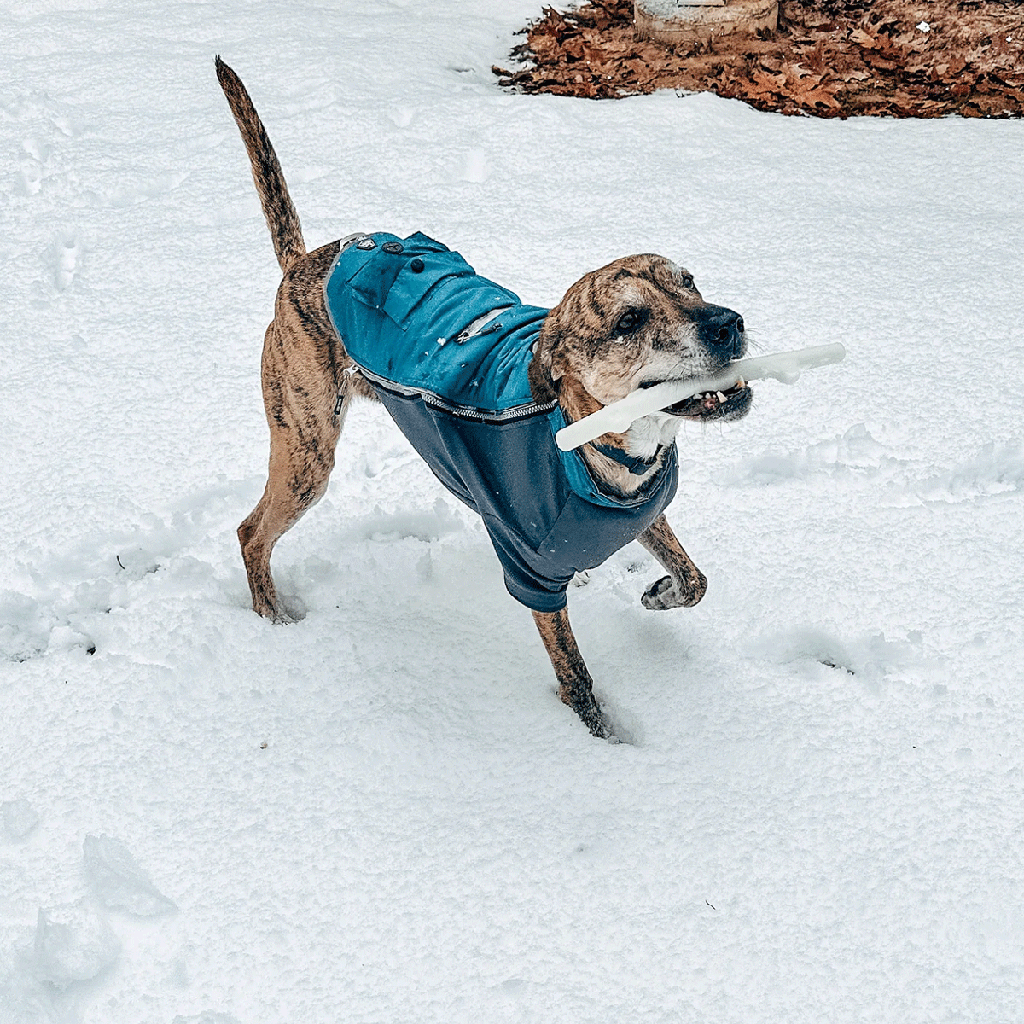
{"x": 731, "y": 404}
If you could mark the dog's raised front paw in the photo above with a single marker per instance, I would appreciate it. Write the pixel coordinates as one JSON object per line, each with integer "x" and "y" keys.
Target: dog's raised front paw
{"x": 670, "y": 593}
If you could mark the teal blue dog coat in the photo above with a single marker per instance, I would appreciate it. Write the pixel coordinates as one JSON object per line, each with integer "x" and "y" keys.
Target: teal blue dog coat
{"x": 447, "y": 352}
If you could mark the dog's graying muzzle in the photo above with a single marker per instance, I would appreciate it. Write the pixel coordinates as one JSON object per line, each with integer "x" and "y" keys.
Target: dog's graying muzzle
{"x": 721, "y": 330}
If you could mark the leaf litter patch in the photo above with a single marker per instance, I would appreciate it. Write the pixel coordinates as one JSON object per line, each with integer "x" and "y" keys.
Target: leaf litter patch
{"x": 828, "y": 58}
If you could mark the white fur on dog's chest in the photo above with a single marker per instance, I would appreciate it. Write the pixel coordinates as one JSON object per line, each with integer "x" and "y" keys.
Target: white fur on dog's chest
{"x": 646, "y": 435}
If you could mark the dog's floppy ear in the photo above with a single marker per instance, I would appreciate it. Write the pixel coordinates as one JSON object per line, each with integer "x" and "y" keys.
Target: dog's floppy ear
{"x": 542, "y": 372}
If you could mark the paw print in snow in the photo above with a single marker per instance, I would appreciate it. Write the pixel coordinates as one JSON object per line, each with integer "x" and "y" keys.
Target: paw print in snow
{"x": 66, "y": 254}
{"x": 35, "y": 164}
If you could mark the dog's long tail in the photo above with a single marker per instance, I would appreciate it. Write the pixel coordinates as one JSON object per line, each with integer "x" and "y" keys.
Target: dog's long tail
{"x": 282, "y": 219}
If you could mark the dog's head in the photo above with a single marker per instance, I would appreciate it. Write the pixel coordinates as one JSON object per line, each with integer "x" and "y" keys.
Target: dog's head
{"x": 635, "y": 323}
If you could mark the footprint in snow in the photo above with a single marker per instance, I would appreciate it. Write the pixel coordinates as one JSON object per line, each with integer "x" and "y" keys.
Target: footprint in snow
{"x": 35, "y": 164}
{"x": 65, "y": 257}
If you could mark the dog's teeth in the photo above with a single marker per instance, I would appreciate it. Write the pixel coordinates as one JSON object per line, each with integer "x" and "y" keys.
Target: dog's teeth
{"x": 720, "y": 396}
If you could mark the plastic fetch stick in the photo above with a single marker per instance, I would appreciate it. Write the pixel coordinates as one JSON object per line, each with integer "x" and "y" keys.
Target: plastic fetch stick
{"x": 783, "y": 366}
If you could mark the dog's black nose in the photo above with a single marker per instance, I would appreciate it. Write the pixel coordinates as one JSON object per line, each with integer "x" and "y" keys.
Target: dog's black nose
{"x": 721, "y": 330}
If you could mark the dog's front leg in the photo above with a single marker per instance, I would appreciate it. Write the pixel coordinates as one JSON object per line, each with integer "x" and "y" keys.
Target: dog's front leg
{"x": 575, "y": 687}
{"x": 685, "y": 585}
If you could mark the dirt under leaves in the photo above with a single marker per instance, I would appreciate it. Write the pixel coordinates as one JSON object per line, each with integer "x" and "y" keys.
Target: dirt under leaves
{"x": 828, "y": 58}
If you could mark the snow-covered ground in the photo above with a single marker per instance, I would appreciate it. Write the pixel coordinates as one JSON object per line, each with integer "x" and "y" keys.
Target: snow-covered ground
{"x": 383, "y": 813}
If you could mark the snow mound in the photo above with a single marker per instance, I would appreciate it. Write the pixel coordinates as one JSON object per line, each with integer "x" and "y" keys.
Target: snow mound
{"x": 996, "y": 469}
{"x": 855, "y": 452}
{"x": 873, "y": 656}
{"x": 25, "y": 626}
{"x": 73, "y": 943}
{"x": 117, "y": 880}
{"x": 23, "y": 998}
{"x": 19, "y": 819}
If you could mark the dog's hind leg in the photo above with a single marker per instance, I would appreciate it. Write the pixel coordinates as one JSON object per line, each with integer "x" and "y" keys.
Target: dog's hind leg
{"x": 685, "y": 585}
{"x": 305, "y": 418}
{"x": 575, "y": 687}
{"x": 308, "y": 383}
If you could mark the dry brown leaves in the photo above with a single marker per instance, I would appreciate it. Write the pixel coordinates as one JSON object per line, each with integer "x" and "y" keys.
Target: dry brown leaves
{"x": 829, "y": 58}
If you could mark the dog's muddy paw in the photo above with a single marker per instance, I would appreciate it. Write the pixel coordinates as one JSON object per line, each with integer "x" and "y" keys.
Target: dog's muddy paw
{"x": 668, "y": 593}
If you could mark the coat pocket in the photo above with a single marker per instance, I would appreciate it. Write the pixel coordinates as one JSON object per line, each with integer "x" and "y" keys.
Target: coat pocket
{"x": 418, "y": 275}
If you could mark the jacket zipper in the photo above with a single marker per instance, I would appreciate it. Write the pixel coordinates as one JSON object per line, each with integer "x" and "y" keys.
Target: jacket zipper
{"x": 468, "y": 412}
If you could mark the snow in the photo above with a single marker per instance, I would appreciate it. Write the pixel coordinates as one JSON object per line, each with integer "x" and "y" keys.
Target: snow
{"x": 383, "y": 812}
{"x": 118, "y": 882}
{"x": 73, "y": 944}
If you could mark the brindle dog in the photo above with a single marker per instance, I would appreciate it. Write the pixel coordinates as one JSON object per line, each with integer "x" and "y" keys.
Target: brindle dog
{"x": 634, "y": 323}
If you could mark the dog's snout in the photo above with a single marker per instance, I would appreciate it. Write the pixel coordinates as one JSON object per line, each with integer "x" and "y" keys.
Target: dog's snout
{"x": 721, "y": 330}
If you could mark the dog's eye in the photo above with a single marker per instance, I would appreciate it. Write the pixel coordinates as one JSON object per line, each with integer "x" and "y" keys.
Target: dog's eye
{"x": 630, "y": 321}
{"x": 687, "y": 281}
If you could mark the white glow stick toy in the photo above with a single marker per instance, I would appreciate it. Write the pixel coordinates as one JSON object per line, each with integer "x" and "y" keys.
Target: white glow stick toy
{"x": 783, "y": 366}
